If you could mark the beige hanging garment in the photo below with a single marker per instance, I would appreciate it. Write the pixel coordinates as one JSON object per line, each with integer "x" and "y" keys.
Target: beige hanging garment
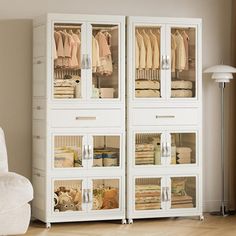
{"x": 186, "y": 45}
{"x": 148, "y": 47}
{"x": 136, "y": 53}
{"x": 173, "y": 53}
{"x": 142, "y": 50}
{"x": 155, "y": 51}
{"x": 60, "y": 49}
{"x": 79, "y": 48}
{"x": 180, "y": 52}
{"x": 95, "y": 54}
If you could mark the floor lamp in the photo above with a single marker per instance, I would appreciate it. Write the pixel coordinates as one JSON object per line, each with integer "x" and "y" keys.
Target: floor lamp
{"x": 222, "y": 74}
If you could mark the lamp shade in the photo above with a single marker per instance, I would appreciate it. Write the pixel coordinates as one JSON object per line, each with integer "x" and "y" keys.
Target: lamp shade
{"x": 221, "y": 73}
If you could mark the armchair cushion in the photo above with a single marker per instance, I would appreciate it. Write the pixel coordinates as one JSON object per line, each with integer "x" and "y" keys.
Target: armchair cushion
{"x": 15, "y": 191}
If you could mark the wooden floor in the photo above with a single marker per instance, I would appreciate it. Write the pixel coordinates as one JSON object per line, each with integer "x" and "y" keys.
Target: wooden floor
{"x": 212, "y": 225}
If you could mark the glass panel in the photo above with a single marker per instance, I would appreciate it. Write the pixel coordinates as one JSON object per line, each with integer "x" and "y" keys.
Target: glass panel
{"x": 147, "y": 149}
{"x": 147, "y": 193}
{"x": 147, "y": 62}
{"x": 67, "y": 195}
{"x": 67, "y": 61}
{"x": 68, "y": 151}
{"x": 105, "y": 61}
{"x": 106, "y": 152}
{"x": 183, "y": 148}
{"x": 183, "y": 62}
{"x": 105, "y": 194}
{"x": 183, "y": 192}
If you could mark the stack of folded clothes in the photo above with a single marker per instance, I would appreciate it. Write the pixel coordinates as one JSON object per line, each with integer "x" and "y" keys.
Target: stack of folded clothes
{"x": 147, "y": 197}
{"x": 144, "y": 154}
{"x": 67, "y": 157}
{"x": 181, "y": 201}
{"x": 181, "y": 88}
{"x": 64, "y": 88}
{"x": 147, "y": 88}
{"x": 179, "y": 197}
{"x": 183, "y": 155}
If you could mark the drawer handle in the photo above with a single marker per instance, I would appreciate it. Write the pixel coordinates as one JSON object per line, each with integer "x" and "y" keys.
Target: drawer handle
{"x": 159, "y": 117}
{"x": 39, "y": 62}
{"x": 85, "y": 117}
{"x": 38, "y": 107}
{"x": 37, "y": 174}
{"x": 37, "y": 137}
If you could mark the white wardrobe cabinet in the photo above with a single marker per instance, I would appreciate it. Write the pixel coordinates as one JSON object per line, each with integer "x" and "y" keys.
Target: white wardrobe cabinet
{"x": 79, "y": 118}
{"x": 164, "y": 140}
{"x": 164, "y": 63}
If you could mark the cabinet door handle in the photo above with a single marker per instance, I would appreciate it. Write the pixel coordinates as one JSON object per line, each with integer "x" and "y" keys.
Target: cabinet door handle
{"x": 164, "y": 116}
{"x": 167, "y": 194}
{"x": 163, "y": 150}
{"x": 88, "y": 62}
{"x": 38, "y": 108}
{"x": 90, "y": 197}
{"x": 163, "y": 194}
{"x": 83, "y": 61}
{"x": 167, "y": 62}
{"x": 85, "y": 117}
{"x": 85, "y": 152}
{"x": 168, "y": 149}
{"x": 37, "y": 136}
{"x": 85, "y": 197}
{"x": 89, "y": 151}
{"x": 163, "y": 62}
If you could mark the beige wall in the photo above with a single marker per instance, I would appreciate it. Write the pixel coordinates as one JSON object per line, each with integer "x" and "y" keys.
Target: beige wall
{"x": 15, "y": 68}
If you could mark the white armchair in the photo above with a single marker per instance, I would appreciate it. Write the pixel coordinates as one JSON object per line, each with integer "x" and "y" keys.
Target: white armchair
{"x": 15, "y": 193}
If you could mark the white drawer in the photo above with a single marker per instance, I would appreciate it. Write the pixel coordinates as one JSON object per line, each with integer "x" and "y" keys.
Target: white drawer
{"x": 86, "y": 118}
{"x": 166, "y": 116}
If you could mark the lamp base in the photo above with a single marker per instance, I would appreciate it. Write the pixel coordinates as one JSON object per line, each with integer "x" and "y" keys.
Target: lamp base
{"x": 222, "y": 212}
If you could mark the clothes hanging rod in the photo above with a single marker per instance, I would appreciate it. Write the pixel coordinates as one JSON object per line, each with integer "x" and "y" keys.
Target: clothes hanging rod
{"x": 67, "y": 26}
{"x": 78, "y": 27}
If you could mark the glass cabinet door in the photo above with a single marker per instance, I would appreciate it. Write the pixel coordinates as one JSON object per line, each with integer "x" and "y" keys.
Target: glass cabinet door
{"x": 148, "y": 149}
{"x": 148, "y": 194}
{"x": 183, "y": 192}
{"x": 106, "y": 151}
{"x": 147, "y": 61}
{"x": 68, "y": 196}
{"x": 183, "y": 62}
{"x": 104, "y": 61}
{"x": 69, "y": 60}
{"x": 69, "y": 151}
{"x": 105, "y": 194}
{"x": 183, "y": 148}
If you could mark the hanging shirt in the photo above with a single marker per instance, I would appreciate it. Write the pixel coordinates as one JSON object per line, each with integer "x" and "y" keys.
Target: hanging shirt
{"x": 60, "y": 49}
{"x": 173, "y": 54}
{"x": 76, "y": 47}
{"x": 105, "y": 67}
{"x": 148, "y": 47}
{"x": 136, "y": 53}
{"x": 155, "y": 51}
{"x": 142, "y": 50}
{"x": 95, "y": 54}
{"x": 186, "y": 44}
{"x": 180, "y": 52}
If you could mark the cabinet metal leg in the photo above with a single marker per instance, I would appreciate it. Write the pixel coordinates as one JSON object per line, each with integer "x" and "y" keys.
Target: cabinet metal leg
{"x": 130, "y": 221}
{"x": 201, "y": 217}
{"x": 123, "y": 222}
{"x": 48, "y": 225}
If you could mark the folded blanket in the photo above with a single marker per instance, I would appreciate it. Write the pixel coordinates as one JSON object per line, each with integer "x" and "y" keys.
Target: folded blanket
{"x": 147, "y": 84}
{"x": 181, "y": 93}
{"x": 146, "y": 93}
{"x": 144, "y": 147}
{"x": 181, "y": 84}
